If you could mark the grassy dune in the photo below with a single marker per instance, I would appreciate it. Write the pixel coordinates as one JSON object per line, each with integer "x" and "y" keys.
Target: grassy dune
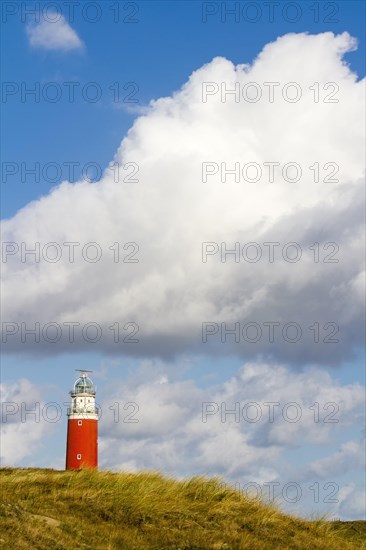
{"x": 53, "y": 510}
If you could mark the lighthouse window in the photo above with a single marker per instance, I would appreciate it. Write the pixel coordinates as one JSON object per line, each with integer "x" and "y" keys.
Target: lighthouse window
{"x": 80, "y": 422}
{"x": 78, "y": 456}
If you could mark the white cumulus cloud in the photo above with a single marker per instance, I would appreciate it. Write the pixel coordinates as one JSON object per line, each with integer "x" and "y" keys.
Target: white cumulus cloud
{"x": 53, "y": 33}
{"x": 169, "y": 212}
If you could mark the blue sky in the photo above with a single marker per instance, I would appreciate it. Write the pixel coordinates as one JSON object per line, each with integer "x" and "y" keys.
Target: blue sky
{"x": 157, "y": 54}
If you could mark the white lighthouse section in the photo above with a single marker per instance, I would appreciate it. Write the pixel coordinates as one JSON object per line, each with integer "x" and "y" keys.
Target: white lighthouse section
{"x": 83, "y": 405}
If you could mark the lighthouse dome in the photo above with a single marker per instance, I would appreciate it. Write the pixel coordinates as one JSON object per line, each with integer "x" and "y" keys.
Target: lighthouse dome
{"x": 84, "y": 385}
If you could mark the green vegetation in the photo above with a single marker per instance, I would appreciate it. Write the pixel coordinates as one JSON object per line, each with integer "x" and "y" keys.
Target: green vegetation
{"x": 48, "y": 509}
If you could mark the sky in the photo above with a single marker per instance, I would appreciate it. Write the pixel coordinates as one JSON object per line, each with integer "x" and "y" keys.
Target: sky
{"x": 206, "y": 172}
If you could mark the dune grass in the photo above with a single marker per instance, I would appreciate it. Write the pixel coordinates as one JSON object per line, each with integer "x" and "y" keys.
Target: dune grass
{"x": 48, "y": 509}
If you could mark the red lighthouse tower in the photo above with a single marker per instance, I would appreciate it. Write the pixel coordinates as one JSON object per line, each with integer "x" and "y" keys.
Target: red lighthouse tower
{"x": 82, "y": 426}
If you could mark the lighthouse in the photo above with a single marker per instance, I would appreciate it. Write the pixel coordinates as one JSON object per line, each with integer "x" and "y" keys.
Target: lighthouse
{"x": 82, "y": 425}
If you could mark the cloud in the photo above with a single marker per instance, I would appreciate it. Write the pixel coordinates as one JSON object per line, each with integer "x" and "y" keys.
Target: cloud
{"x": 352, "y": 503}
{"x": 198, "y": 433}
{"x": 351, "y": 455}
{"x": 53, "y": 33}
{"x": 169, "y": 212}
{"x": 167, "y": 432}
{"x": 23, "y": 425}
